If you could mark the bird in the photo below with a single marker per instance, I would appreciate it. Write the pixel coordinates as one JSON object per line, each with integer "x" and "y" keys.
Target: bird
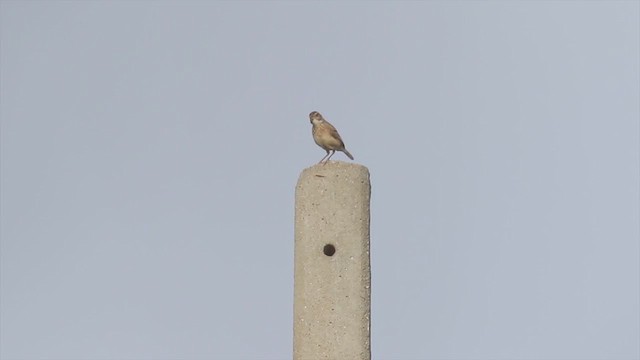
{"x": 326, "y": 136}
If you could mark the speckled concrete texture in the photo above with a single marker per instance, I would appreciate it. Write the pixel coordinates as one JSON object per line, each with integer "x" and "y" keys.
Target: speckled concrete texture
{"x": 332, "y": 292}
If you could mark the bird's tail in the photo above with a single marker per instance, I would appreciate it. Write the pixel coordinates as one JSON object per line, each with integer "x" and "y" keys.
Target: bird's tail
{"x": 347, "y": 153}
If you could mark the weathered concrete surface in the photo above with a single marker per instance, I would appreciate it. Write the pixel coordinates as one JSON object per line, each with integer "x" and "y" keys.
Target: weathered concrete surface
{"x": 332, "y": 293}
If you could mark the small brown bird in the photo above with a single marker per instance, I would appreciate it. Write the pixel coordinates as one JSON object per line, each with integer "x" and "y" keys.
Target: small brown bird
{"x": 326, "y": 136}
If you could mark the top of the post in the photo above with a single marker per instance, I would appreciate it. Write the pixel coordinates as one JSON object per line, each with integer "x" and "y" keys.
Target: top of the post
{"x": 336, "y": 169}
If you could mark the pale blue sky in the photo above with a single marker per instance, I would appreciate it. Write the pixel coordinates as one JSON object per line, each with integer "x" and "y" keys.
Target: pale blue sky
{"x": 150, "y": 150}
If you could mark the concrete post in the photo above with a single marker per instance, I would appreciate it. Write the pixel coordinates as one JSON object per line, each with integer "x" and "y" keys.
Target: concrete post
{"x": 332, "y": 286}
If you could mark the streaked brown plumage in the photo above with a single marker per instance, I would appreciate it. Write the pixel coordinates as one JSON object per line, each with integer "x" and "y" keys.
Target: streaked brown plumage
{"x": 326, "y": 136}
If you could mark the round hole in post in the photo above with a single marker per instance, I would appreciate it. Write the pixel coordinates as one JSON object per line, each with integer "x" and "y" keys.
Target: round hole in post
{"x": 329, "y": 250}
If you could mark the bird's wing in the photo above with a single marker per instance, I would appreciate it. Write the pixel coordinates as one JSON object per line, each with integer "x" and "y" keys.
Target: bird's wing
{"x": 334, "y": 134}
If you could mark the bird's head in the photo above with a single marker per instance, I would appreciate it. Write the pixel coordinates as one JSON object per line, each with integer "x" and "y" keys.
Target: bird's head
{"x": 315, "y": 117}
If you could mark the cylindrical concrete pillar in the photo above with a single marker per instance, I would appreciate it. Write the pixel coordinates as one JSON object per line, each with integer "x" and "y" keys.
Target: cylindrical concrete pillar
{"x": 332, "y": 287}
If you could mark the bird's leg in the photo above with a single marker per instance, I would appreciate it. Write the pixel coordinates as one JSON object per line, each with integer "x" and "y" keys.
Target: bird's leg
{"x": 332, "y": 152}
{"x": 324, "y": 157}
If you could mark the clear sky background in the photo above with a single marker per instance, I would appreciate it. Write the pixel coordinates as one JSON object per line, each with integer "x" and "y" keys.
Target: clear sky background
{"x": 150, "y": 151}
